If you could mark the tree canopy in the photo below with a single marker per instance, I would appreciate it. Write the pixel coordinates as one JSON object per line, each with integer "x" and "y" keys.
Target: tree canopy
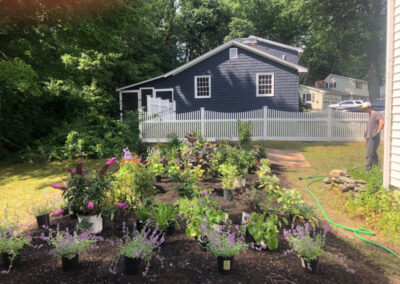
{"x": 61, "y": 61}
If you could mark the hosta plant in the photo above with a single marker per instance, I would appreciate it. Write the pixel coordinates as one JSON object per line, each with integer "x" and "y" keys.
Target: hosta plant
{"x": 264, "y": 230}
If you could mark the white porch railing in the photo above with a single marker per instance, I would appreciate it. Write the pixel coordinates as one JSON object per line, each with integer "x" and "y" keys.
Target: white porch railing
{"x": 158, "y": 105}
{"x": 268, "y": 124}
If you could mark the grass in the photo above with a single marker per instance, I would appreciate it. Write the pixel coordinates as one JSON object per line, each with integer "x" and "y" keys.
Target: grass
{"x": 324, "y": 157}
{"x": 23, "y": 185}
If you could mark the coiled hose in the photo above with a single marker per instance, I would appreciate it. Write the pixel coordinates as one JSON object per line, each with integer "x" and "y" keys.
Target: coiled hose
{"x": 357, "y": 231}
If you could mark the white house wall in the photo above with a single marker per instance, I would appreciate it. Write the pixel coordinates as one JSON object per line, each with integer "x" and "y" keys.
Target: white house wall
{"x": 348, "y": 85}
{"x": 392, "y": 113}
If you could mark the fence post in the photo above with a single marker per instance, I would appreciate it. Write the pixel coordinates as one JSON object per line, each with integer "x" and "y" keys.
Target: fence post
{"x": 202, "y": 122}
{"x": 329, "y": 130}
{"x": 121, "y": 115}
{"x": 265, "y": 123}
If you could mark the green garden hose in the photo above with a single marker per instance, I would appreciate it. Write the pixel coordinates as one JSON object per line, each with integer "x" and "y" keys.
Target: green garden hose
{"x": 356, "y": 231}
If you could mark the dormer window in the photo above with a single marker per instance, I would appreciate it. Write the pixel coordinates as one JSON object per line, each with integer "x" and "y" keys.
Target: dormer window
{"x": 233, "y": 53}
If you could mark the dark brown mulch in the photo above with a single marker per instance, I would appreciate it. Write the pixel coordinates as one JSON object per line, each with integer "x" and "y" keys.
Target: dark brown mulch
{"x": 184, "y": 261}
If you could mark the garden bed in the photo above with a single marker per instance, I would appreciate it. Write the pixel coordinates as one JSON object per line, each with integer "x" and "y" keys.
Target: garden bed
{"x": 184, "y": 261}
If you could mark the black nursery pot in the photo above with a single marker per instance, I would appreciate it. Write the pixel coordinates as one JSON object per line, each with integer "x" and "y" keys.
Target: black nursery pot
{"x": 225, "y": 264}
{"x": 139, "y": 225}
{"x": 227, "y": 195}
{"x": 310, "y": 266}
{"x": 158, "y": 178}
{"x": 70, "y": 264}
{"x": 43, "y": 220}
{"x": 170, "y": 230}
{"x": 248, "y": 238}
{"x": 132, "y": 265}
{"x": 66, "y": 211}
{"x": 6, "y": 260}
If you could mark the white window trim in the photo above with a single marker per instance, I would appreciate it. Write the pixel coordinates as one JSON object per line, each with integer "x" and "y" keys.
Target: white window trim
{"x": 164, "y": 90}
{"x": 209, "y": 87}
{"x": 233, "y": 53}
{"x": 273, "y": 84}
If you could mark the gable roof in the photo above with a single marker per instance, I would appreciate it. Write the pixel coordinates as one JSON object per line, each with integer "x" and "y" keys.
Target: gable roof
{"x": 343, "y": 77}
{"x": 230, "y": 43}
{"x": 324, "y": 91}
{"x": 298, "y": 49}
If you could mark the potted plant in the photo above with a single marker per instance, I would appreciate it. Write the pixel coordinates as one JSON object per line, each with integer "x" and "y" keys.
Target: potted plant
{"x": 165, "y": 216}
{"x": 11, "y": 244}
{"x": 86, "y": 195}
{"x": 68, "y": 245}
{"x": 132, "y": 184}
{"x": 42, "y": 213}
{"x": 225, "y": 243}
{"x": 307, "y": 243}
{"x": 263, "y": 230}
{"x": 138, "y": 246}
{"x": 229, "y": 179}
{"x": 195, "y": 211}
{"x": 155, "y": 165}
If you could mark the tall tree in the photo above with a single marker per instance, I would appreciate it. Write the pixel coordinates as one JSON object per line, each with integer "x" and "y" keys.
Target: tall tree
{"x": 346, "y": 38}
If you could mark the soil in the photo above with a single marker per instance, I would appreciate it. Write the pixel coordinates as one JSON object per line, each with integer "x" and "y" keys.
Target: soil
{"x": 185, "y": 261}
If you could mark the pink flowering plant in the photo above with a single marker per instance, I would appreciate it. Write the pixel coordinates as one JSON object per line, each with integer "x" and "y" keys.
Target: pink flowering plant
{"x": 223, "y": 240}
{"x": 86, "y": 193}
{"x": 68, "y": 243}
{"x": 144, "y": 244}
{"x": 306, "y": 241}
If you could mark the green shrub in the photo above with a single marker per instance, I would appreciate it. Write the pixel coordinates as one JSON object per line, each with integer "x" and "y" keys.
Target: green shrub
{"x": 378, "y": 205}
{"x": 133, "y": 183}
{"x": 92, "y": 136}
{"x": 245, "y": 129}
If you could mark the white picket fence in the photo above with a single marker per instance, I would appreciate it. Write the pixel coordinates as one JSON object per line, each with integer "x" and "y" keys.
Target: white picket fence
{"x": 267, "y": 124}
{"x": 158, "y": 105}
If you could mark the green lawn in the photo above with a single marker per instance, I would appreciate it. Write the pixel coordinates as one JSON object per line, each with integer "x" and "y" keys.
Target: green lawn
{"x": 22, "y": 185}
{"x": 322, "y": 158}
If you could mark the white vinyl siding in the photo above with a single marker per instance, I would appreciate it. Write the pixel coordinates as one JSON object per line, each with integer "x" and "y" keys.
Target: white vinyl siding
{"x": 202, "y": 87}
{"x": 394, "y": 175}
{"x": 265, "y": 84}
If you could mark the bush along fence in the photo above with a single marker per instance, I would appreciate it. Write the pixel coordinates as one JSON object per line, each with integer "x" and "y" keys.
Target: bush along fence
{"x": 265, "y": 124}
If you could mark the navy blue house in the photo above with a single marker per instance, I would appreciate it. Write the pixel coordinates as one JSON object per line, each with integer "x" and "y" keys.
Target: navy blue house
{"x": 240, "y": 75}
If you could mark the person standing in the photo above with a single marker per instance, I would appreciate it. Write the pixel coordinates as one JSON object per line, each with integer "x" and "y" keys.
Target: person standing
{"x": 372, "y": 135}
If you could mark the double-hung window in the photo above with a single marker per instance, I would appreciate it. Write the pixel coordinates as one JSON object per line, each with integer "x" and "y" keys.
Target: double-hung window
{"x": 202, "y": 87}
{"x": 265, "y": 85}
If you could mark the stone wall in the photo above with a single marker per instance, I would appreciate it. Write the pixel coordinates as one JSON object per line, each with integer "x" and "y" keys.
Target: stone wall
{"x": 341, "y": 182}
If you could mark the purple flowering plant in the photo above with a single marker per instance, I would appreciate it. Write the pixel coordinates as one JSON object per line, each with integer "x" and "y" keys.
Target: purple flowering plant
{"x": 223, "y": 240}
{"x": 144, "y": 244}
{"x": 68, "y": 243}
{"x": 11, "y": 242}
{"x": 306, "y": 241}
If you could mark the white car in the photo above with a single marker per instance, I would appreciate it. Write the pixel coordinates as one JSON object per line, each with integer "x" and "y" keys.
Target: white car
{"x": 346, "y": 104}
